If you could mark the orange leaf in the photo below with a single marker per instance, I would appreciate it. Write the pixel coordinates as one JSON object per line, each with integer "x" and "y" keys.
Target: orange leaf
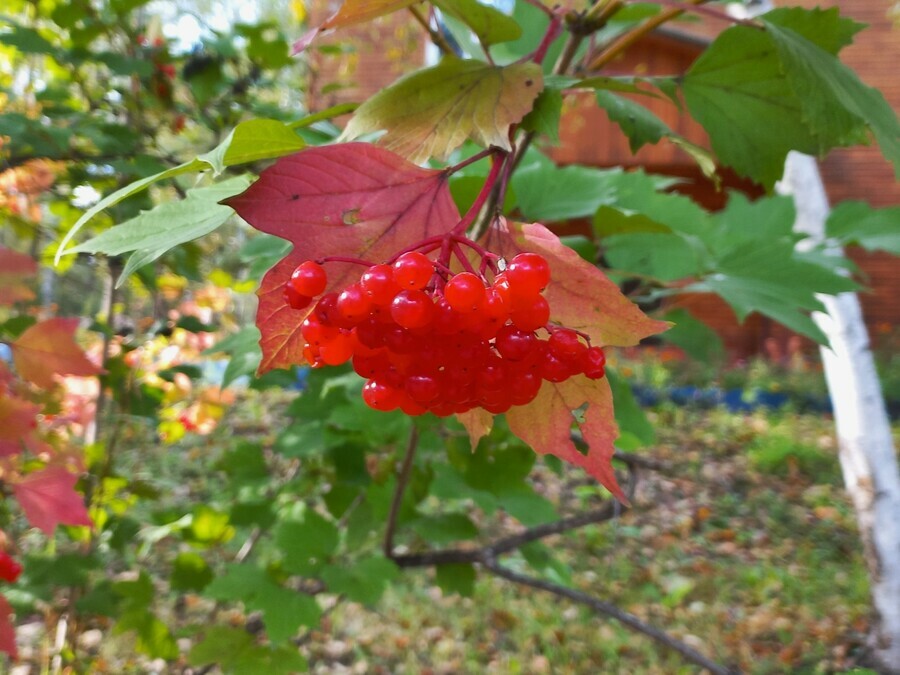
{"x": 48, "y": 348}
{"x": 15, "y": 268}
{"x": 18, "y": 420}
{"x": 48, "y": 498}
{"x": 350, "y": 13}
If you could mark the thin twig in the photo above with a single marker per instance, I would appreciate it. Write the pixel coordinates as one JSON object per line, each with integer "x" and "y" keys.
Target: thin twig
{"x": 399, "y": 490}
{"x": 610, "y": 610}
{"x": 436, "y": 36}
{"x": 625, "y": 41}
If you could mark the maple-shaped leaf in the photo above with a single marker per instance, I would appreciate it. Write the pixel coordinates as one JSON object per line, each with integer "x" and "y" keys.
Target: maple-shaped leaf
{"x": 48, "y": 348}
{"x": 15, "y": 269}
{"x": 18, "y": 419}
{"x": 353, "y": 199}
{"x": 48, "y": 498}
{"x": 7, "y": 630}
{"x": 352, "y": 12}
{"x": 433, "y": 111}
{"x": 583, "y": 298}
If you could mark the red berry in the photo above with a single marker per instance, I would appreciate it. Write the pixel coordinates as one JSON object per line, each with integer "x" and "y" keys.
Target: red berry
{"x": 528, "y": 273}
{"x": 338, "y": 350}
{"x": 309, "y": 279}
{"x": 378, "y": 283}
{"x": 354, "y": 304}
{"x": 412, "y": 309}
{"x": 413, "y": 271}
{"x": 422, "y": 388}
{"x": 294, "y": 299}
{"x": 514, "y": 343}
{"x": 380, "y": 396}
{"x": 566, "y": 345}
{"x": 325, "y": 310}
{"x": 533, "y": 316}
{"x": 465, "y": 292}
{"x": 594, "y": 363}
{"x": 9, "y": 568}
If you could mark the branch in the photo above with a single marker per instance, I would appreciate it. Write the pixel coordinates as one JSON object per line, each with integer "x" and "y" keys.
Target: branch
{"x": 625, "y": 41}
{"x": 610, "y": 610}
{"x": 402, "y": 481}
{"x": 607, "y": 511}
{"x": 436, "y": 36}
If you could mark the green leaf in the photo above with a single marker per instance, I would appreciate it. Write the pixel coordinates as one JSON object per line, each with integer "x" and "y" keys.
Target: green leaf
{"x": 362, "y": 581}
{"x": 237, "y": 652}
{"x": 27, "y": 40}
{"x": 170, "y": 224}
{"x": 244, "y": 463}
{"x": 549, "y": 193}
{"x": 433, "y": 111}
{"x": 542, "y": 560}
{"x": 697, "y": 339}
{"x": 637, "y": 122}
{"x": 872, "y": 229}
{"x": 666, "y": 257}
{"x": 545, "y": 116}
{"x": 306, "y": 544}
{"x": 736, "y": 90}
{"x": 252, "y": 141}
{"x": 489, "y": 24}
{"x": 243, "y": 348}
{"x": 445, "y": 528}
{"x": 835, "y": 101}
{"x": 209, "y": 526}
{"x": 190, "y": 572}
{"x": 456, "y": 578}
{"x": 284, "y": 611}
{"x": 123, "y": 193}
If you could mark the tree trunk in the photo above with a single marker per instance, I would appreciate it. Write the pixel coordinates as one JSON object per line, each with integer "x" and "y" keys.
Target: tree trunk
{"x": 866, "y": 449}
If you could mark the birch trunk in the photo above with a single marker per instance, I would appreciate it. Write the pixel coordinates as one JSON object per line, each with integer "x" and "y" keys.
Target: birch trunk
{"x": 866, "y": 449}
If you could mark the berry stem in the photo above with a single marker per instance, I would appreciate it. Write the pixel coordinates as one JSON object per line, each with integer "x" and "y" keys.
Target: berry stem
{"x": 344, "y": 259}
{"x": 482, "y": 197}
{"x": 478, "y": 156}
{"x": 461, "y": 256}
{"x": 553, "y": 31}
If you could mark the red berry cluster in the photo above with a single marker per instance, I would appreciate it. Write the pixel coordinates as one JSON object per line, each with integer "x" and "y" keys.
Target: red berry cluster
{"x": 9, "y": 568}
{"x": 430, "y": 340}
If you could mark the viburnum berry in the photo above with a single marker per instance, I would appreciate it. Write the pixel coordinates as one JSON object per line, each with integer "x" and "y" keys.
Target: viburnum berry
{"x": 295, "y": 299}
{"x": 309, "y": 279}
{"x": 465, "y": 292}
{"x": 528, "y": 273}
{"x": 9, "y": 568}
{"x": 412, "y": 271}
{"x": 426, "y": 339}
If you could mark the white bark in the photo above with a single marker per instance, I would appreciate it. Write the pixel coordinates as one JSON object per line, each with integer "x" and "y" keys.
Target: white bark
{"x": 866, "y": 449}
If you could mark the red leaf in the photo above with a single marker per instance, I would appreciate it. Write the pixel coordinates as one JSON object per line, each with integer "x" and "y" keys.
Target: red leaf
{"x": 48, "y": 498}
{"x": 7, "y": 630}
{"x": 48, "y": 348}
{"x": 15, "y": 268}
{"x": 18, "y": 420}
{"x": 354, "y": 200}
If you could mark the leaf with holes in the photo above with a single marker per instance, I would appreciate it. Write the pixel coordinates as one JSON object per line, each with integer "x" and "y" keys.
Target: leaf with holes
{"x": 433, "y": 111}
{"x": 580, "y": 297}
{"x": 354, "y": 200}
